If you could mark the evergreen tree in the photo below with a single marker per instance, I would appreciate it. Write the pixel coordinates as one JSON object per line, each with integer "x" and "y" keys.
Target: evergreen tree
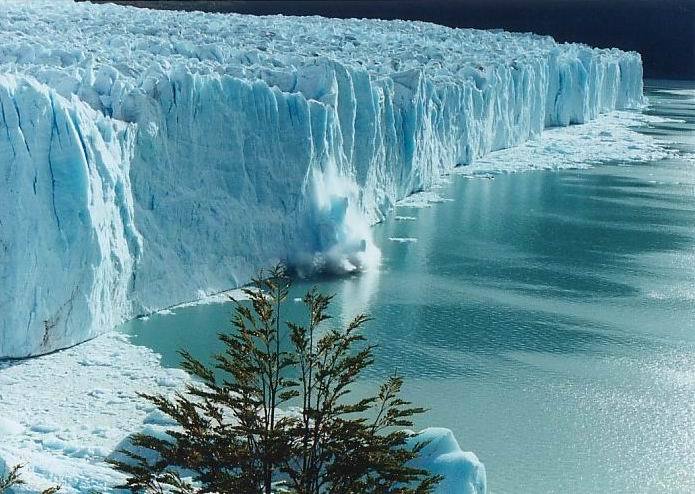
{"x": 234, "y": 437}
{"x": 12, "y": 478}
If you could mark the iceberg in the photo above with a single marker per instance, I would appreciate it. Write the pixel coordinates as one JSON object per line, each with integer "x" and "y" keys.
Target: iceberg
{"x": 461, "y": 471}
{"x": 148, "y": 158}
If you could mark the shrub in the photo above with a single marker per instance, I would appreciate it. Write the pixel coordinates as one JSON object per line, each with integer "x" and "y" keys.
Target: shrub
{"x": 233, "y": 437}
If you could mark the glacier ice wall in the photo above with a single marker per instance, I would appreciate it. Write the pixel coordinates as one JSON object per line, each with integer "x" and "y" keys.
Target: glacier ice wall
{"x": 150, "y": 157}
{"x": 69, "y": 241}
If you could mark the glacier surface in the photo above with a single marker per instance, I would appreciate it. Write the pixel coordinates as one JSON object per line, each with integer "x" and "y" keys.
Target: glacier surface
{"x": 148, "y": 158}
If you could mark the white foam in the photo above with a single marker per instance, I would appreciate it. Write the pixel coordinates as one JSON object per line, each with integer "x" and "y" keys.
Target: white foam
{"x": 403, "y": 240}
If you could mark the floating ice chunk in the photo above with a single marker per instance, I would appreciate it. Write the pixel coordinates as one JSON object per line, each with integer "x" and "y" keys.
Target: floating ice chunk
{"x": 609, "y": 138}
{"x": 423, "y": 199}
{"x": 462, "y": 471}
{"x": 690, "y": 93}
{"x": 215, "y": 298}
{"x": 157, "y": 417}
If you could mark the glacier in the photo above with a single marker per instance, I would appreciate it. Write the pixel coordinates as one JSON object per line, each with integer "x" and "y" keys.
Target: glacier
{"x": 149, "y": 158}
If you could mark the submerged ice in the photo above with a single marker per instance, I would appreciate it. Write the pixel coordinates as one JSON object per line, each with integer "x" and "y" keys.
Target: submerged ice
{"x": 148, "y": 157}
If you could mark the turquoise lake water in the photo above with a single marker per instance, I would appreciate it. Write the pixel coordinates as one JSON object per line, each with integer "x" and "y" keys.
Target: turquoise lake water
{"x": 547, "y": 318}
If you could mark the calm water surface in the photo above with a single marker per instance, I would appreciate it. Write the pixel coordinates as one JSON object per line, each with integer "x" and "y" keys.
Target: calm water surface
{"x": 547, "y": 318}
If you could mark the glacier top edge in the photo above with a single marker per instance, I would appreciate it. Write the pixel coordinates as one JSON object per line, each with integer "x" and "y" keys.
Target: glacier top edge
{"x": 106, "y": 50}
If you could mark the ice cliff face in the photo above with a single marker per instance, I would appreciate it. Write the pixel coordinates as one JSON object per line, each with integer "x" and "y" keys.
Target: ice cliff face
{"x": 68, "y": 239}
{"x": 149, "y": 157}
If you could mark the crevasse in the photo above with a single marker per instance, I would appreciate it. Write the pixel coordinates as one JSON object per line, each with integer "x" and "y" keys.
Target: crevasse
{"x": 148, "y": 158}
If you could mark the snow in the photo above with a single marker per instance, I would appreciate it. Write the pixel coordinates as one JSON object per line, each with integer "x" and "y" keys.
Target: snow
{"x": 62, "y": 414}
{"x": 10, "y": 427}
{"x": 148, "y": 158}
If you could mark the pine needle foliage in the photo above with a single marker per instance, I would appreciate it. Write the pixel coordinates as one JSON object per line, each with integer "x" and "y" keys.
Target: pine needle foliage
{"x": 13, "y": 478}
{"x": 10, "y": 478}
{"x": 232, "y": 435}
